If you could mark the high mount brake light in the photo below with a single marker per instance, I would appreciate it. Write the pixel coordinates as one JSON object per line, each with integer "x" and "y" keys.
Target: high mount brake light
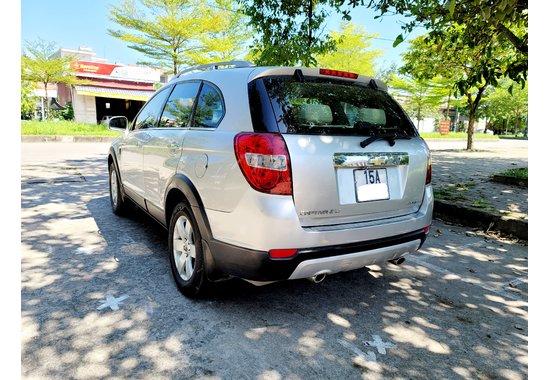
{"x": 337, "y": 73}
{"x": 265, "y": 162}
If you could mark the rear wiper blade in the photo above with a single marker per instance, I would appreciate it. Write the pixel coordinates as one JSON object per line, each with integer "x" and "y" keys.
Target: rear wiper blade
{"x": 390, "y": 138}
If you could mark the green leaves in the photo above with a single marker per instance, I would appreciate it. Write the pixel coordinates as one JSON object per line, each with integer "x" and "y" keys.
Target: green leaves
{"x": 452, "y": 4}
{"x": 39, "y": 65}
{"x": 481, "y": 22}
{"x": 290, "y": 32}
{"x": 176, "y": 33}
{"x": 423, "y": 98}
{"x": 352, "y": 52}
{"x": 398, "y": 40}
{"x": 28, "y": 100}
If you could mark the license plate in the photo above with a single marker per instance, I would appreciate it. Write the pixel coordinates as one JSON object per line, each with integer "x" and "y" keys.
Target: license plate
{"x": 371, "y": 185}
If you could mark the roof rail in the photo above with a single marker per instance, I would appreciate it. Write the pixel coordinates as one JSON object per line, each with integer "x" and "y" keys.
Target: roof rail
{"x": 215, "y": 66}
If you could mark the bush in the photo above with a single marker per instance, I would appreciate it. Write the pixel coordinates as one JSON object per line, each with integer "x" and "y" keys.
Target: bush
{"x": 65, "y": 114}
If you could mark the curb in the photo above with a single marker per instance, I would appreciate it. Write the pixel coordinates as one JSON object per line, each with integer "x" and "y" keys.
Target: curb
{"x": 476, "y": 218}
{"x": 524, "y": 183}
{"x": 66, "y": 139}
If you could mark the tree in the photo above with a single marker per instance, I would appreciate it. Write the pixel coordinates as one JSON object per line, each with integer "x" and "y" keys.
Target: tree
{"x": 39, "y": 65}
{"x": 482, "y": 22}
{"x": 352, "y": 52}
{"x": 174, "y": 33}
{"x": 227, "y": 43}
{"x": 422, "y": 98}
{"x": 289, "y": 32}
{"x": 470, "y": 68}
{"x": 506, "y": 111}
{"x": 28, "y": 100}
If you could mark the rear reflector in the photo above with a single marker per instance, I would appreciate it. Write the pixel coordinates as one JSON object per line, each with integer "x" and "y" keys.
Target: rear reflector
{"x": 337, "y": 73}
{"x": 427, "y": 229}
{"x": 282, "y": 253}
{"x": 265, "y": 162}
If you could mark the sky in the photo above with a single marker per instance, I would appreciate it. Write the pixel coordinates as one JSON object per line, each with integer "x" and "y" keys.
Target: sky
{"x": 71, "y": 24}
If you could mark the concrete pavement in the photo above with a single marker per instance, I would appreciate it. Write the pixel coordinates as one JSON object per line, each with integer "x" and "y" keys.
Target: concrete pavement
{"x": 465, "y": 193}
{"x": 98, "y": 300}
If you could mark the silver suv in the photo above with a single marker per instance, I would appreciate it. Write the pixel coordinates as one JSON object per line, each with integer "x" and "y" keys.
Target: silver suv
{"x": 274, "y": 173}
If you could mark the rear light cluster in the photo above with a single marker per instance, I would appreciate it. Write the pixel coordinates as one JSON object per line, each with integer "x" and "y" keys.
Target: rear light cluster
{"x": 265, "y": 162}
{"x": 337, "y": 73}
{"x": 429, "y": 167}
{"x": 429, "y": 171}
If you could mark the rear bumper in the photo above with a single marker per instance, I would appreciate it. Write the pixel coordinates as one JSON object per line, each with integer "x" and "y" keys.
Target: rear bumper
{"x": 259, "y": 266}
{"x": 262, "y": 222}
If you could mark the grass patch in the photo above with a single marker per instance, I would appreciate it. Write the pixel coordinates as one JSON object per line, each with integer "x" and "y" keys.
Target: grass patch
{"x": 481, "y": 203}
{"x": 463, "y": 186}
{"x": 453, "y": 192}
{"x": 517, "y": 173}
{"x": 64, "y": 128}
{"x": 448, "y": 195}
{"x": 457, "y": 135}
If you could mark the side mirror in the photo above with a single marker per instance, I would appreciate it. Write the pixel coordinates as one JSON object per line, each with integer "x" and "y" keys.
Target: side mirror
{"x": 118, "y": 123}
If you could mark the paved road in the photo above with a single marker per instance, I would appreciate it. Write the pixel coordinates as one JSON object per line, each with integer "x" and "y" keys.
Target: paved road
{"x": 98, "y": 300}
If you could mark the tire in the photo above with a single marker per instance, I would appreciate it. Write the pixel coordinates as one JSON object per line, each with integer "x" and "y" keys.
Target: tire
{"x": 119, "y": 205}
{"x": 184, "y": 242}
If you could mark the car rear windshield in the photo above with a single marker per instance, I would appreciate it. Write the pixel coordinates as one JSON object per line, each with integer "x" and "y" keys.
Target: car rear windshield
{"x": 287, "y": 104}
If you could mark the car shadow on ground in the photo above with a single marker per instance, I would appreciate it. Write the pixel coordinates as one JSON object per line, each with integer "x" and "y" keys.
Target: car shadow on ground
{"x": 76, "y": 253}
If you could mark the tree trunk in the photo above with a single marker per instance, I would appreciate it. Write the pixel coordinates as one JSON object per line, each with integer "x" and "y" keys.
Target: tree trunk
{"x": 175, "y": 60}
{"x": 473, "y": 103}
{"x": 471, "y": 121}
{"x": 47, "y": 100}
{"x": 448, "y": 104}
{"x": 310, "y": 32}
{"x": 418, "y": 120}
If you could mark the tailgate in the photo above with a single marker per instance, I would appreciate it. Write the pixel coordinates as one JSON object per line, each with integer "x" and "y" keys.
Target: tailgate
{"x": 336, "y": 181}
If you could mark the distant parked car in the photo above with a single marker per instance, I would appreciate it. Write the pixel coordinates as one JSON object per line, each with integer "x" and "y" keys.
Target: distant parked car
{"x": 274, "y": 173}
{"x": 105, "y": 120}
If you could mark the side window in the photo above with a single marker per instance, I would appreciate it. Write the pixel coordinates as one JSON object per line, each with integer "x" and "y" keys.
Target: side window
{"x": 148, "y": 116}
{"x": 179, "y": 107}
{"x": 209, "y": 108}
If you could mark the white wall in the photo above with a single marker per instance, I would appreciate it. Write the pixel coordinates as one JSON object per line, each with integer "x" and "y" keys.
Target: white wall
{"x": 84, "y": 108}
{"x": 426, "y": 125}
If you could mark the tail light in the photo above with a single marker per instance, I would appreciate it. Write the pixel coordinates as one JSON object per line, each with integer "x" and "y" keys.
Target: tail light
{"x": 429, "y": 171}
{"x": 265, "y": 162}
{"x": 429, "y": 166}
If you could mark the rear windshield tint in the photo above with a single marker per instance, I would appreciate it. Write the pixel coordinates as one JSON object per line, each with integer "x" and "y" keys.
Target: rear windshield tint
{"x": 327, "y": 107}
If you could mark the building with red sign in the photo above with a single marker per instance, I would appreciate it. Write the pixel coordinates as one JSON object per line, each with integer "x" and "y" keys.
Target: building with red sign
{"x": 106, "y": 89}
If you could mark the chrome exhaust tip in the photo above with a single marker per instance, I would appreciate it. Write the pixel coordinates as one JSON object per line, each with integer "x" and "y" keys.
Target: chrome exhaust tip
{"x": 398, "y": 261}
{"x": 317, "y": 278}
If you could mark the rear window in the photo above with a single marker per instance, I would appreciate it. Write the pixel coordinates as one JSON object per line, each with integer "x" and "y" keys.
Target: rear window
{"x": 327, "y": 107}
